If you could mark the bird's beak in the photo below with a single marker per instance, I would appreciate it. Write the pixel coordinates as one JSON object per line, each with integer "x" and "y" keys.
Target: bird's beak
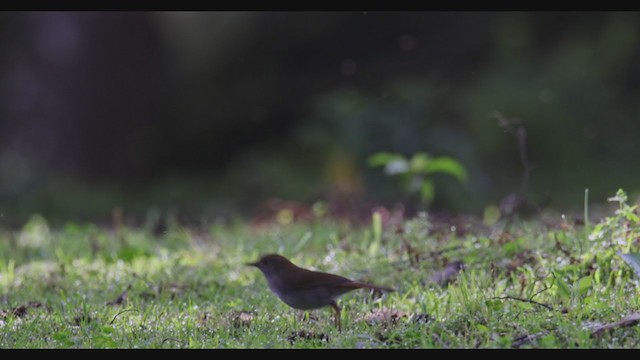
{"x": 252, "y": 264}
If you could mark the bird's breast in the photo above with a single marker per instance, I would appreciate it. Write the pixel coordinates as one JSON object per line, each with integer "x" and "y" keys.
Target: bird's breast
{"x": 305, "y": 299}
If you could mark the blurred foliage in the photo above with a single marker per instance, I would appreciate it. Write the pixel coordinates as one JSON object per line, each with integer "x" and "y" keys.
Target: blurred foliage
{"x": 578, "y": 109}
{"x": 224, "y": 119}
{"x": 415, "y": 173}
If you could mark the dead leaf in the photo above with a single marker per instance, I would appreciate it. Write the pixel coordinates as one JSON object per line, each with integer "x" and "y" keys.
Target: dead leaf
{"x": 412, "y": 253}
{"x": 504, "y": 237}
{"x": 80, "y": 319}
{"x": 384, "y": 316}
{"x": 241, "y": 318}
{"x": 21, "y": 310}
{"x": 205, "y": 318}
{"x": 120, "y": 300}
{"x": 421, "y": 318}
{"x": 306, "y": 335}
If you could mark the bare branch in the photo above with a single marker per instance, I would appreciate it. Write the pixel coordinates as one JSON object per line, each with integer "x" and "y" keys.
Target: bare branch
{"x": 525, "y": 339}
{"x": 629, "y": 320}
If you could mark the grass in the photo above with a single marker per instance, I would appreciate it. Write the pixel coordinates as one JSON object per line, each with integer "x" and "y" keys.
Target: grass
{"x": 84, "y": 286}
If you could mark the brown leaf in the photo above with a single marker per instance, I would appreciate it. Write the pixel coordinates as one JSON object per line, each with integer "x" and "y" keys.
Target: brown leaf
{"x": 79, "y": 319}
{"x": 307, "y": 335}
{"x": 412, "y": 253}
{"x": 421, "y": 318}
{"x": 241, "y": 318}
{"x": 205, "y": 318}
{"x": 21, "y": 310}
{"x": 504, "y": 237}
{"x": 384, "y": 316}
{"x": 120, "y": 300}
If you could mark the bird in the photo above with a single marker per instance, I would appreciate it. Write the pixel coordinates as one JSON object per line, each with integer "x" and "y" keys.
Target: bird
{"x": 306, "y": 289}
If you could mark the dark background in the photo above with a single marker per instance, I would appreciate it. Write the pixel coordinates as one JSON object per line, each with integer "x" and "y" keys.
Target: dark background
{"x": 215, "y": 113}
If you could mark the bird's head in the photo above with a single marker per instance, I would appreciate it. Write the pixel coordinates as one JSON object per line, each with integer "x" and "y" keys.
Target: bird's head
{"x": 273, "y": 264}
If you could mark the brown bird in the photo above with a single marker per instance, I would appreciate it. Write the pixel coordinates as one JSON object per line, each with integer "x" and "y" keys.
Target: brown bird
{"x": 305, "y": 289}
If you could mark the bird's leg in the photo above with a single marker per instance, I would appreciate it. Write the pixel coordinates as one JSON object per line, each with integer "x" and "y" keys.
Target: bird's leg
{"x": 335, "y": 306}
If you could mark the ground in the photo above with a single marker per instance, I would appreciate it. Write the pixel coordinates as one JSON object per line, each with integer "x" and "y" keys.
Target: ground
{"x": 545, "y": 282}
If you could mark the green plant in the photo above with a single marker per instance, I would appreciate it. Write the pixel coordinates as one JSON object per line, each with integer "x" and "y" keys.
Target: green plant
{"x": 620, "y": 230}
{"x": 618, "y": 234}
{"x": 415, "y": 173}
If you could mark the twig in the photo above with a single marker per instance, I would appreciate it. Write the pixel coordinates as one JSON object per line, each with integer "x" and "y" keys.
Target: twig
{"x": 525, "y": 339}
{"x": 507, "y": 297}
{"x": 530, "y": 299}
{"x": 118, "y": 314}
{"x": 629, "y": 320}
{"x": 545, "y": 287}
{"x": 563, "y": 250}
{"x": 520, "y": 134}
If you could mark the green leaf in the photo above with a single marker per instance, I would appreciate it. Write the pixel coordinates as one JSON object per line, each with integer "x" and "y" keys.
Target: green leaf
{"x": 633, "y": 259}
{"x": 61, "y": 336}
{"x": 426, "y": 191}
{"x": 583, "y": 285}
{"x": 129, "y": 253}
{"x": 383, "y": 158}
{"x": 495, "y": 305}
{"x": 419, "y": 162}
{"x": 629, "y": 213}
{"x": 303, "y": 241}
{"x": 447, "y": 165}
{"x": 511, "y": 248}
{"x": 64, "y": 338}
{"x": 376, "y": 223}
{"x": 548, "y": 341}
{"x": 597, "y": 276}
{"x": 563, "y": 288}
{"x": 104, "y": 341}
{"x": 620, "y": 197}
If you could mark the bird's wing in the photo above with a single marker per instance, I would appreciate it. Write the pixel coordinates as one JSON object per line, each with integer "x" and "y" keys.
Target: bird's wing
{"x": 312, "y": 279}
{"x": 308, "y": 279}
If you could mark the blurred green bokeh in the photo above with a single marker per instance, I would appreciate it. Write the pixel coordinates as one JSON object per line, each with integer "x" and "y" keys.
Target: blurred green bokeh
{"x": 246, "y": 107}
